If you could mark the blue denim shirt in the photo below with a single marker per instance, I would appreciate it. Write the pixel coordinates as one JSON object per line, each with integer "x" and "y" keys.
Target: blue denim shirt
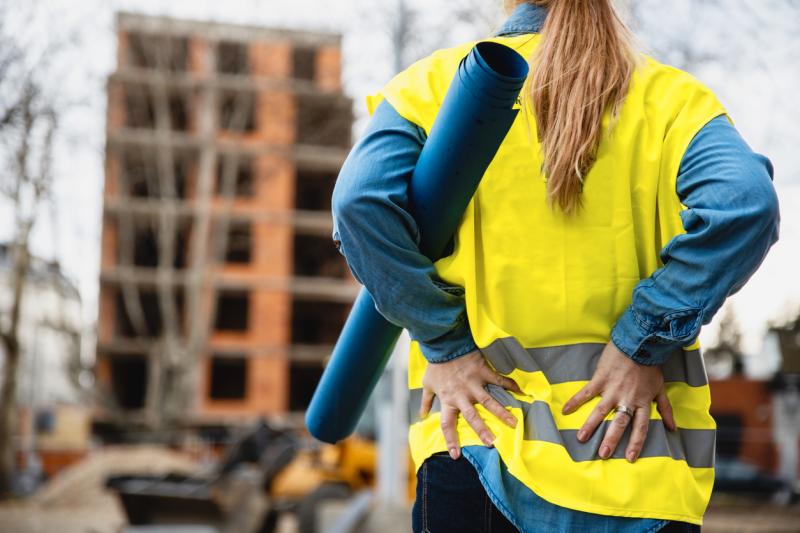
{"x": 731, "y": 221}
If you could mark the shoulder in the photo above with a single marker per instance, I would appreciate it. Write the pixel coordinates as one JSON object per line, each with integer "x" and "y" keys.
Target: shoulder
{"x": 674, "y": 103}
{"x": 417, "y": 92}
{"x": 441, "y": 61}
{"x": 670, "y": 90}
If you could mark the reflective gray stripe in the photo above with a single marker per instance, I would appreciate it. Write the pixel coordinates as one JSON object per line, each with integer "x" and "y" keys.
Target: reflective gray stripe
{"x": 576, "y": 362}
{"x": 695, "y": 446}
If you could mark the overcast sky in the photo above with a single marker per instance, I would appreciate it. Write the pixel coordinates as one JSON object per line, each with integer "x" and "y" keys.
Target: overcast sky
{"x": 747, "y": 54}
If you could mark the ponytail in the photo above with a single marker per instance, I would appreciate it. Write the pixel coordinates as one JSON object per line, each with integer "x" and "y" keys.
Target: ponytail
{"x": 582, "y": 68}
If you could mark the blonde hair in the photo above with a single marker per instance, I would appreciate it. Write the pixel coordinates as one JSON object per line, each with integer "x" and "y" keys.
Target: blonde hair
{"x": 581, "y": 69}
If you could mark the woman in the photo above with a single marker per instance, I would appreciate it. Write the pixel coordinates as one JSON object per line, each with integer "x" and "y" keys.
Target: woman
{"x": 554, "y": 354}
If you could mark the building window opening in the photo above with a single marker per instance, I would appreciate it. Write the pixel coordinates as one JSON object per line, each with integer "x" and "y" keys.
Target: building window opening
{"x": 228, "y": 378}
{"x": 315, "y": 255}
{"x": 239, "y": 171}
{"x": 232, "y": 58}
{"x": 324, "y": 120}
{"x": 162, "y": 52}
{"x": 313, "y": 190}
{"x": 129, "y": 380}
{"x": 239, "y": 243}
{"x": 151, "y": 314}
{"x": 146, "y": 246}
{"x": 237, "y": 111}
{"x": 141, "y": 176}
{"x": 233, "y": 310}
{"x": 141, "y": 109}
{"x": 315, "y": 322}
{"x": 178, "y": 112}
{"x": 303, "y": 380}
{"x": 303, "y": 62}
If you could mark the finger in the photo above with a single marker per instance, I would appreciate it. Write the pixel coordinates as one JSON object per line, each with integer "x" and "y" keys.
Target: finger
{"x": 475, "y": 421}
{"x": 586, "y": 393}
{"x": 665, "y": 408}
{"x": 613, "y": 434}
{"x": 595, "y": 418}
{"x": 501, "y": 381}
{"x": 426, "y": 403}
{"x": 448, "y": 423}
{"x": 494, "y": 407}
{"x": 640, "y": 425}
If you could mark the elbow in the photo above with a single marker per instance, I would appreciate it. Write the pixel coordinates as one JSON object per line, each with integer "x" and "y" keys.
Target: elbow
{"x": 342, "y": 229}
{"x": 339, "y": 201}
{"x": 766, "y": 209}
{"x": 349, "y": 213}
{"x": 342, "y": 201}
{"x": 346, "y": 202}
{"x": 773, "y": 216}
{"x": 338, "y": 213}
{"x": 759, "y": 200}
{"x": 773, "y": 209}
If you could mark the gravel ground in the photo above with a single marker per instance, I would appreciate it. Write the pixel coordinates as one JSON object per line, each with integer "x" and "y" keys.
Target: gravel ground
{"x": 105, "y": 516}
{"x": 749, "y": 517}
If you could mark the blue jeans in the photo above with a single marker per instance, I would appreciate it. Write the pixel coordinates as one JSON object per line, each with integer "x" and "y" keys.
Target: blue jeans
{"x": 450, "y": 498}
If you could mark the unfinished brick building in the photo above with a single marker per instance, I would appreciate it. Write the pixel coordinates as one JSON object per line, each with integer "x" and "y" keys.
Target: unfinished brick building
{"x": 221, "y": 290}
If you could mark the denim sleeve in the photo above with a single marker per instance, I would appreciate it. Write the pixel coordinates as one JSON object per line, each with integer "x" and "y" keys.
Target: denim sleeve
{"x": 731, "y": 221}
{"x": 376, "y": 233}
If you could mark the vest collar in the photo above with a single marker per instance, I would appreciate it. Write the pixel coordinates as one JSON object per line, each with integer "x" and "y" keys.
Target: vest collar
{"x": 526, "y": 18}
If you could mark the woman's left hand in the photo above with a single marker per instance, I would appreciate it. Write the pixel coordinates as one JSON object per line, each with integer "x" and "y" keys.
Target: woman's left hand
{"x": 459, "y": 384}
{"x": 620, "y": 381}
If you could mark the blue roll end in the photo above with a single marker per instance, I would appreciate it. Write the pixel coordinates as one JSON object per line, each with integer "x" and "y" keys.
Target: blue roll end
{"x": 494, "y": 73}
{"x": 325, "y": 431}
{"x": 504, "y": 61}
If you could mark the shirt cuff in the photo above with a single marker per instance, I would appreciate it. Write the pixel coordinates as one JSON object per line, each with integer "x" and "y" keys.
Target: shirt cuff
{"x": 455, "y": 343}
{"x": 653, "y": 342}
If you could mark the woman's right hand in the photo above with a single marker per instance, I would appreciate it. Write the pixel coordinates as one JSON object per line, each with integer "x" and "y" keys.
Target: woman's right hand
{"x": 459, "y": 384}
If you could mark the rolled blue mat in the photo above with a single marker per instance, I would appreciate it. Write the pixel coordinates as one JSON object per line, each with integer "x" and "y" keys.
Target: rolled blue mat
{"x": 472, "y": 122}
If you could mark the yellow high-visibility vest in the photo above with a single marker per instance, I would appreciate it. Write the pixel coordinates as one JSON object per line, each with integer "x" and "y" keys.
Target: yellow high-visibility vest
{"x": 543, "y": 291}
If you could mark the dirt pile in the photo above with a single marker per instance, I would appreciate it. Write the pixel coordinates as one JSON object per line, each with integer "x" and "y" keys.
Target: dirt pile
{"x": 76, "y": 500}
{"x": 84, "y": 482}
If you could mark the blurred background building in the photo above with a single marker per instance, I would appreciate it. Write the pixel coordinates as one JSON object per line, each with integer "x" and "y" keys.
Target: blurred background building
{"x": 758, "y": 420}
{"x": 221, "y": 290}
{"x": 52, "y": 423}
{"x": 51, "y": 332}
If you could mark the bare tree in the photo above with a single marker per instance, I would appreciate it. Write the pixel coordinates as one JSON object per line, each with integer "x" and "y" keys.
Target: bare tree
{"x": 29, "y": 136}
{"x": 31, "y": 111}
